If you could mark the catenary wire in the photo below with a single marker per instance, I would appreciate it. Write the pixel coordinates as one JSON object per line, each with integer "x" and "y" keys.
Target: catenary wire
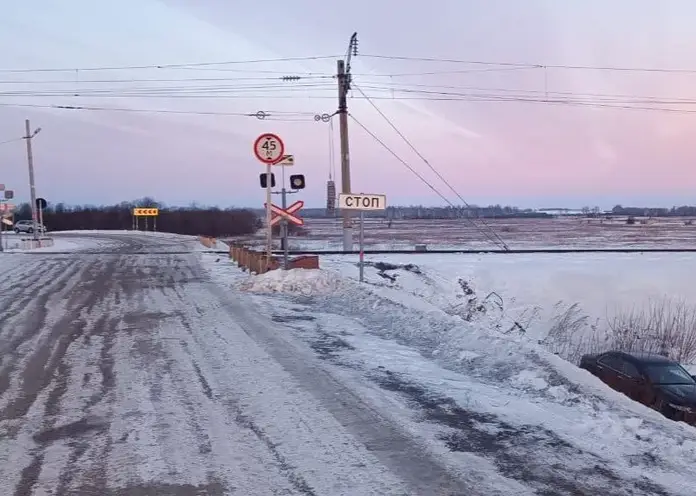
{"x": 424, "y": 180}
{"x": 267, "y": 115}
{"x": 533, "y": 65}
{"x": 426, "y": 161}
{"x": 170, "y": 66}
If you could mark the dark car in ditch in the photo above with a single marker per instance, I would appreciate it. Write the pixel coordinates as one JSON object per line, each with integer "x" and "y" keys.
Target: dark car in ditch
{"x": 654, "y": 380}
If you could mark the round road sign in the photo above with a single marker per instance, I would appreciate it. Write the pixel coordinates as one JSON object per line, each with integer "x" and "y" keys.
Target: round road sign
{"x": 269, "y": 148}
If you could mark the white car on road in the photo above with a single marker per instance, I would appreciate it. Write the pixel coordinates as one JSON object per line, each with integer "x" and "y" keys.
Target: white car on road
{"x": 27, "y": 226}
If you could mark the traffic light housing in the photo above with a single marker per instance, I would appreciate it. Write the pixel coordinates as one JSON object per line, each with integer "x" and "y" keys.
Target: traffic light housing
{"x": 297, "y": 181}
{"x": 263, "y": 181}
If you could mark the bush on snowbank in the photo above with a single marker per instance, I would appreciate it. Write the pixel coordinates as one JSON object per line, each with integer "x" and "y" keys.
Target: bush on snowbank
{"x": 663, "y": 326}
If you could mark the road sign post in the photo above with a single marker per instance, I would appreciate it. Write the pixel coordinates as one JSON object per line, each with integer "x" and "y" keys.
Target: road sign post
{"x": 41, "y": 204}
{"x": 269, "y": 149}
{"x": 362, "y": 202}
{"x": 285, "y": 161}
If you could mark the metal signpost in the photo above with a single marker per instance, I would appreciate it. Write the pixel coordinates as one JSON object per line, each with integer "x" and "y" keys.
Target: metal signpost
{"x": 362, "y": 203}
{"x": 269, "y": 149}
{"x": 41, "y": 204}
{"x": 286, "y": 161}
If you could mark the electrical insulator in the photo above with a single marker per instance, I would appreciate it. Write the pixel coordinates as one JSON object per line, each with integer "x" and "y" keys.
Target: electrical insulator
{"x": 330, "y": 197}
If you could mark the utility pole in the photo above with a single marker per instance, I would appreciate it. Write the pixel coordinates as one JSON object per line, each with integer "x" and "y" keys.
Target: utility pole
{"x": 32, "y": 185}
{"x": 343, "y": 76}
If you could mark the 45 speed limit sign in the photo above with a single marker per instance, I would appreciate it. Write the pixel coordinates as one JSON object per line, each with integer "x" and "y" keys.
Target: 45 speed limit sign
{"x": 269, "y": 148}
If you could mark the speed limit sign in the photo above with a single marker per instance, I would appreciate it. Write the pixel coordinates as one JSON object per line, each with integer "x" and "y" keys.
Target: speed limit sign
{"x": 269, "y": 148}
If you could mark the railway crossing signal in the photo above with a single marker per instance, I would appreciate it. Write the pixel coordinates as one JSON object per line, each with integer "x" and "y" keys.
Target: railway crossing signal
{"x": 287, "y": 213}
{"x": 297, "y": 181}
{"x": 263, "y": 178}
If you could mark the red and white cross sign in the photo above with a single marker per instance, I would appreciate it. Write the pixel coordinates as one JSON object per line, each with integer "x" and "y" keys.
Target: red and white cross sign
{"x": 278, "y": 213}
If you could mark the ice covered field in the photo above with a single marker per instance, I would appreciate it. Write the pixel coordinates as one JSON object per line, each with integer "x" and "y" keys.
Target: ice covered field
{"x": 481, "y": 395}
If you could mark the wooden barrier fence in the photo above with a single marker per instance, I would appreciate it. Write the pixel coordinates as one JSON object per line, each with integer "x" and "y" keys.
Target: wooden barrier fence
{"x": 257, "y": 261}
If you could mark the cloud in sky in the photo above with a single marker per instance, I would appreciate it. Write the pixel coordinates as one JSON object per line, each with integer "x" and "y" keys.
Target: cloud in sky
{"x": 490, "y": 132}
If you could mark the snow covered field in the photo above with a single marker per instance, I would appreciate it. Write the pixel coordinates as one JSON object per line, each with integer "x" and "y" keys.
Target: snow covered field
{"x": 479, "y": 393}
{"x": 564, "y": 232}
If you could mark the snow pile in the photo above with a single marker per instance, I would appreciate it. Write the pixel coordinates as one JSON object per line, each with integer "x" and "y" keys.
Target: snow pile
{"x": 499, "y": 372}
{"x": 304, "y": 282}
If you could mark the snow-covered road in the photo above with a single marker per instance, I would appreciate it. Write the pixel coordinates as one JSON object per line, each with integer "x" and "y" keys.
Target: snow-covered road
{"x": 134, "y": 373}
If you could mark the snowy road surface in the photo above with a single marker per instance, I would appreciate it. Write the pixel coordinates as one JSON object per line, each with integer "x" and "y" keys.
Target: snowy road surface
{"x": 134, "y": 373}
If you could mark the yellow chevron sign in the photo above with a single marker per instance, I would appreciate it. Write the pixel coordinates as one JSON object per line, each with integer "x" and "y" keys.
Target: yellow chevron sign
{"x": 146, "y": 212}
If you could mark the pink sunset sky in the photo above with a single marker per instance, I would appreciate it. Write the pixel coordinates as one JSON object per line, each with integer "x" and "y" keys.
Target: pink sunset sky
{"x": 610, "y": 136}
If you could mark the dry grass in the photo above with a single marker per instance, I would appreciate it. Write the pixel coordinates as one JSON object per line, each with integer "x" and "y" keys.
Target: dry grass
{"x": 663, "y": 326}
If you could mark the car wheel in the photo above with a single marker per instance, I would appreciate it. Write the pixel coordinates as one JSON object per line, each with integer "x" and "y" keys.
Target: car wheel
{"x": 665, "y": 409}
{"x": 30, "y": 230}
{"x": 16, "y": 231}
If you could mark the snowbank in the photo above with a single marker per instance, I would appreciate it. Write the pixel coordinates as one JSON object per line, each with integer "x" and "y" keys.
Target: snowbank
{"x": 295, "y": 281}
{"x": 439, "y": 327}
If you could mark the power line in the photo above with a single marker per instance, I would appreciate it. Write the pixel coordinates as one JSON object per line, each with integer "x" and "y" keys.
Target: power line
{"x": 170, "y": 66}
{"x": 286, "y": 77}
{"x": 438, "y": 73}
{"x": 492, "y": 98}
{"x": 426, "y": 161}
{"x": 533, "y": 65}
{"x": 425, "y": 181}
{"x": 10, "y": 141}
{"x": 261, "y": 114}
{"x": 136, "y": 91}
{"x": 429, "y": 96}
{"x": 395, "y": 86}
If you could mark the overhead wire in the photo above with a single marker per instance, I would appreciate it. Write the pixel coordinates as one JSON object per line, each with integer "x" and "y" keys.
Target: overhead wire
{"x": 537, "y": 65}
{"x": 426, "y": 161}
{"x": 170, "y": 66}
{"x": 423, "y": 179}
{"x": 287, "y": 77}
{"x": 10, "y": 141}
{"x": 261, "y": 115}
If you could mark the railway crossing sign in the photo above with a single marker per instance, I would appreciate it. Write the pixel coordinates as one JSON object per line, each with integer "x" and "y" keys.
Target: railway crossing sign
{"x": 146, "y": 212}
{"x": 288, "y": 213}
{"x": 269, "y": 148}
